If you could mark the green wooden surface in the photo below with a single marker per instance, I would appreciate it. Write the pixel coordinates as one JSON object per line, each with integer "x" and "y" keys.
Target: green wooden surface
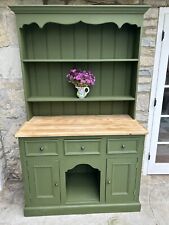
{"x": 49, "y": 52}
{"x": 81, "y": 179}
{"x": 24, "y": 172}
{"x": 83, "y": 186}
{"x": 80, "y": 108}
{"x": 81, "y": 209}
{"x": 121, "y": 179}
{"x": 134, "y": 84}
{"x": 41, "y": 147}
{"x": 122, "y": 145}
{"x": 70, "y": 163}
{"x": 140, "y": 148}
{"x": 24, "y": 74}
{"x": 47, "y": 82}
{"x": 81, "y": 41}
{"x": 91, "y": 14}
{"x": 61, "y": 179}
{"x": 82, "y": 147}
{"x": 49, "y": 79}
{"x": 44, "y": 181}
{"x": 77, "y": 60}
{"x": 75, "y": 99}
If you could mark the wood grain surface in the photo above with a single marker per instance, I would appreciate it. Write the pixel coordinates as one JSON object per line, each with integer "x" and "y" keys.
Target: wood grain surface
{"x": 52, "y": 126}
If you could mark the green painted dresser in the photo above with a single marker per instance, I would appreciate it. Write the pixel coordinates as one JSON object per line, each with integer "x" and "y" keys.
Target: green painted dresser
{"x": 80, "y": 155}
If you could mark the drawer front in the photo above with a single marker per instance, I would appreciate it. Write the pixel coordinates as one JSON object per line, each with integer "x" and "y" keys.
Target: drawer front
{"x": 122, "y": 145}
{"x": 82, "y": 147}
{"x": 42, "y": 147}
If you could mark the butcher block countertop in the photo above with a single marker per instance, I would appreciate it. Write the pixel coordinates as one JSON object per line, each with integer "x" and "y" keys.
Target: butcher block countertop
{"x": 53, "y": 126}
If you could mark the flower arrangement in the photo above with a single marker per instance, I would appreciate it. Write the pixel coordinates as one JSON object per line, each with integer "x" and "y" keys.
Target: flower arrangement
{"x": 81, "y": 78}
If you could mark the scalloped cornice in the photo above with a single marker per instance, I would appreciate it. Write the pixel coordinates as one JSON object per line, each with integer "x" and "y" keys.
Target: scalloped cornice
{"x": 71, "y": 14}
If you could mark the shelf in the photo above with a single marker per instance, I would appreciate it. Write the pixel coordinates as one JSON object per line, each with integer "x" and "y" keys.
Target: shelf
{"x": 51, "y": 47}
{"x": 82, "y": 187}
{"x": 74, "y": 99}
{"x": 77, "y": 60}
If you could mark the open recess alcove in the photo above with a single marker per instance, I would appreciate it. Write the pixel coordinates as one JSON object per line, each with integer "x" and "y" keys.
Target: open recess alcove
{"x": 80, "y": 156}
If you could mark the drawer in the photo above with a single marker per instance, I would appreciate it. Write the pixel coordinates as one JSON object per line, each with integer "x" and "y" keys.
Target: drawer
{"x": 41, "y": 147}
{"x": 122, "y": 145}
{"x": 82, "y": 147}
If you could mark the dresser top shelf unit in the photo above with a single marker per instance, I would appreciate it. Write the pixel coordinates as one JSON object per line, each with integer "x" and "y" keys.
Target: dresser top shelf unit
{"x": 101, "y": 38}
{"x": 56, "y": 126}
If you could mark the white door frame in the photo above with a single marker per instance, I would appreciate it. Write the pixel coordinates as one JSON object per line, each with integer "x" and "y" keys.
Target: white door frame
{"x": 161, "y": 49}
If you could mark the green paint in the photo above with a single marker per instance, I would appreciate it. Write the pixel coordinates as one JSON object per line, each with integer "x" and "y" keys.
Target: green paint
{"x": 80, "y": 175}
{"x": 43, "y": 176}
{"x": 81, "y": 171}
{"x": 103, "y": 39}
{"x": 121, "y": 179}
{"x": 91, "y": 14}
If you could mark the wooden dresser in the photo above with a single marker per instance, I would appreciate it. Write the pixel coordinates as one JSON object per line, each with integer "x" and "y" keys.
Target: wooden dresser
{"x": 80, "y": 155}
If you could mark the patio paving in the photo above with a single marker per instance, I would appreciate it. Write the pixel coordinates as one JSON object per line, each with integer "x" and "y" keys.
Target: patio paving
{"x": 154, "y": 197}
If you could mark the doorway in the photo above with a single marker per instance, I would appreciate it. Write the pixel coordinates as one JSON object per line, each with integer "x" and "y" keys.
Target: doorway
{"x": 159, "y": 107}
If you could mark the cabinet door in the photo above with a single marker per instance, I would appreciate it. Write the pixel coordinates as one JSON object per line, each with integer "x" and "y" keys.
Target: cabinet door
{"x": 44, "y": 182}
{"x": 121, "y": 179}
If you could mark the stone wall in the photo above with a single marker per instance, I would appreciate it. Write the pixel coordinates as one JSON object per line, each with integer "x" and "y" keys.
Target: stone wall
{"x": 12, "y": 110}
{"x": 146, "y": 64}
{"x": 12, "y": 107}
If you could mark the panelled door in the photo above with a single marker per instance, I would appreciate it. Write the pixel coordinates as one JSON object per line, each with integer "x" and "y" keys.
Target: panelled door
{"x": 159, "y": 140}
{"x": 43, "y": 173}
{"x": 121, "y": 179}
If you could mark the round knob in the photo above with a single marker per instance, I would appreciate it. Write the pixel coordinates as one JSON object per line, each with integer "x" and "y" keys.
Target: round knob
{"x": 41, "y": 149}
{"x": 109, "y": 182}
{"x": 56, "y": 185}
{"x": 82, "y": 148}
{"x": 123, "y": 146}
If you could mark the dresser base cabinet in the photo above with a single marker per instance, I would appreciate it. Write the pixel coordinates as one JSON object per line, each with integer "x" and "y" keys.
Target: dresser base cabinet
{"x": 67, "y": 175}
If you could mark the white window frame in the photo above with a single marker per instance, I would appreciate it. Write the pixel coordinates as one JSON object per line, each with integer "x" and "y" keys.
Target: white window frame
{"x": 163, "y": 11}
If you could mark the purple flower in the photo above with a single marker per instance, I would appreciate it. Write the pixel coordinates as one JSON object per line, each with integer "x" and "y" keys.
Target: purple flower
{"x": 81, "y": 77}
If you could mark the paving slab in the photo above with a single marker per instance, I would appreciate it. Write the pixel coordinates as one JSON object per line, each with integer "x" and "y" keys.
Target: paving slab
{"x": 154, "y": 197}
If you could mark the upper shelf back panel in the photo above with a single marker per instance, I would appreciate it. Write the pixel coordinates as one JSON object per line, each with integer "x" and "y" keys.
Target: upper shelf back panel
{"x": 71, "y": 14}
{"x": 80, "y": 41}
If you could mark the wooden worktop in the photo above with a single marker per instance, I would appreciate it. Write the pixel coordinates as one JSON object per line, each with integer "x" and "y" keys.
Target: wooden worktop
{"x": 52, "y": 126}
